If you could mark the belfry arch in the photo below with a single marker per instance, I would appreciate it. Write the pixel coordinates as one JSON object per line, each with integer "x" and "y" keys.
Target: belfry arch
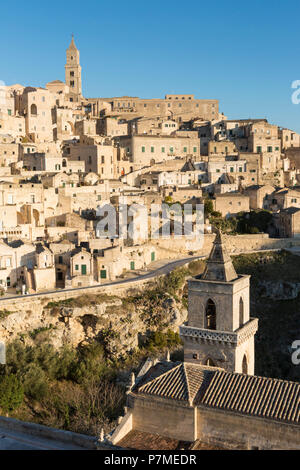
{"x": 210, "y": 315}
{"x": 245, "y": 365}
{"x": 241, "y": 312}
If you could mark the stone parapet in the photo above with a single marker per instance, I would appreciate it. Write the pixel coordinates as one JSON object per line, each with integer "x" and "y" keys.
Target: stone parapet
{"x": 234, "y": 338}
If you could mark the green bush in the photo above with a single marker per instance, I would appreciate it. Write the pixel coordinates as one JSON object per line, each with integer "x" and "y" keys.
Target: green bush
{"x": 11, "y": 393}
{"x": 35, "y": 382}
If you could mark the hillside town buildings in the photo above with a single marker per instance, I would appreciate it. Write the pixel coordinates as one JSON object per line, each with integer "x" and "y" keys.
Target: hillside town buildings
{"x": 64, "y": 156}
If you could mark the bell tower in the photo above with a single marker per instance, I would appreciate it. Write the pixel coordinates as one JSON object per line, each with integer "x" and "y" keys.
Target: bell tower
{"x": 219, "y": 331}
{"x": 73, "y": 72}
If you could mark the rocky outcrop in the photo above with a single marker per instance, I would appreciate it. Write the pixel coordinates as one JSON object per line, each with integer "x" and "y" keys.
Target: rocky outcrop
{"x": 278, "y": 290}
{"x": 120, "y": 324}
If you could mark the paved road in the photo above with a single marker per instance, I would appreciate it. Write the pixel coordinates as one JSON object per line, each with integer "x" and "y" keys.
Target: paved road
{"x": 11, "y": 440}
{"x": 164, "y": 269}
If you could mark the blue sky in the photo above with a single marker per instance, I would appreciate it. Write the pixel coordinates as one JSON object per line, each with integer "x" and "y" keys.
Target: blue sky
{"x": 246, "y": 54}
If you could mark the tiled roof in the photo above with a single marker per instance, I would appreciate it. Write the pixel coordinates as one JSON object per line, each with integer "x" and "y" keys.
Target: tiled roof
{"x": 257, "y": 396}
{"x": 182, "y": 382}
{"x": 228, "y": 391}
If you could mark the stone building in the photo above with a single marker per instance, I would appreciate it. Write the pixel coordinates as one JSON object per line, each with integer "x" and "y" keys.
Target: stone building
{"x": 260, "y": 196}
{"x": 146, "y": 149}
{"x": 287, "y": 222}
{"x": 230, "y": 204}
{"x": 212, "y": 399}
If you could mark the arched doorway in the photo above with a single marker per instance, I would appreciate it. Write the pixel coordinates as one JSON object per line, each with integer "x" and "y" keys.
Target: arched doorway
{"x": 245, "y": 365}
{"x": 209, "y": 362}
{"x": 241, "y": 307}
{"x": 210, "y": 315}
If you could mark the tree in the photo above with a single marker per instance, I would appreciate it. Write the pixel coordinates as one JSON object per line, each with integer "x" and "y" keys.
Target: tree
{"x": 11, "y": 393}
{"x": 208, "y": 207}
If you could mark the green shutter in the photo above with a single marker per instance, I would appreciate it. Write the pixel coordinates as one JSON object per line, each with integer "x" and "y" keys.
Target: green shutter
{"x": 103, "y": 274}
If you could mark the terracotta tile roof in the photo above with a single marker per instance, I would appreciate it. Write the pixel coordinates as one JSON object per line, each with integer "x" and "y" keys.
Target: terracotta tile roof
{"x": 257, "y": 396}
{"x": 212, "y": 387}
{"x": 180, "y": 382}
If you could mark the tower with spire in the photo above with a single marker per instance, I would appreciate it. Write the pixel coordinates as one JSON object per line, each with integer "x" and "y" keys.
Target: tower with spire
{"x": 73, "y": 72}
{"x": 219, "y": 331}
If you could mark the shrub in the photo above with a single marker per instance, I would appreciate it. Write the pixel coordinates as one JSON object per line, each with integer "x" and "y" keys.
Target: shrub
{"x": 11, "y": 393}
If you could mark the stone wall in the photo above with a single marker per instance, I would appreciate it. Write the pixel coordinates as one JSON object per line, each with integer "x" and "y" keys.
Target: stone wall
{"x": 237, "y": 431}
{"x": 168, "y": 417}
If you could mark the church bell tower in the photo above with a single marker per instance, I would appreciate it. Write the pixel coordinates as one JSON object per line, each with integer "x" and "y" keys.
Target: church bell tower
{"x": 219, "y": 331}
{"x": 73, "y": 72}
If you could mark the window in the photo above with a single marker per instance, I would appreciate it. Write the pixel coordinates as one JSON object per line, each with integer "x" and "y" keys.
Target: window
{"x": 143, "y": 149}
{"x": 76, "y": 267}
{"x": 185, "y": 149}
{"x": 245, "y": 365}
{"x": 240, "y": 169}
{"x": 103, "y": 274}
{"x": 33, "y": 110}
{"x": 194, "y": 149}
{"x": 60, "y": 260}
{"x": 72, "y": 83}
{"x": 171, "y": 149}
{"x": 163, "y": 150}
{"x": 241, "y": 310}
{"x": 231, "y": 169}
{"x": 72, "y": 74}
{"x": 9, "y": 112}
{"x": 210, "y": 315}
{"x": 152, "y": 149}
{"x": 258, "y": 149}
{"x": 131, "y": 264}
{"x": 270, "y": 149}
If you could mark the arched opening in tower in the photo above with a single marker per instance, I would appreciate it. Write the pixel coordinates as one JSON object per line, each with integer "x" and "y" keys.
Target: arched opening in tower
{"x": 210, "y": 315}
{"x": 209, "y": 362}
{"x": 245, "y": 365}
{"x": 241, "y": 312}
